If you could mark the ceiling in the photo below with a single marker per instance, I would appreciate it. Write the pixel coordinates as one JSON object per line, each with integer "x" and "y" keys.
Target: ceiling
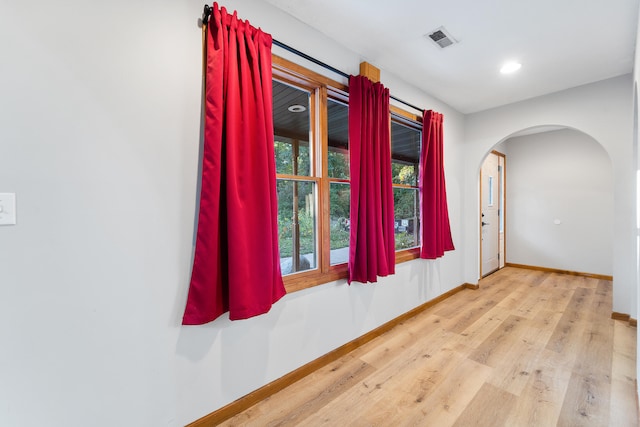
{"x": 560, "y": 43}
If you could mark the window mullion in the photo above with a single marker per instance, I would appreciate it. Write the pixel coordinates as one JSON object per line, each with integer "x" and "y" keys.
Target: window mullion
{"x": 403, "y": 186}
{"x": 322, "y": 139}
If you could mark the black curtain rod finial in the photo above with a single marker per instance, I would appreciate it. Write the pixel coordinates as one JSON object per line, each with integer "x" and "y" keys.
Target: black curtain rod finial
{"x": 206, "y": 12}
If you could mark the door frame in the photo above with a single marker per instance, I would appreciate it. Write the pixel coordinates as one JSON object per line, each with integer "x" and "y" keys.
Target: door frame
{"x": 502, "y": 194}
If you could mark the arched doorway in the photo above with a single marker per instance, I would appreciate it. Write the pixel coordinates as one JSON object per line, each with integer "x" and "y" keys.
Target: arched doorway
{"x": 559, "y": 202}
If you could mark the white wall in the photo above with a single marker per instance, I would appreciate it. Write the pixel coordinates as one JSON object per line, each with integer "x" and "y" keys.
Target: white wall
{"x": 99, "y": 138}
{"x": 601, "y": 110}
{"x": 563, "y": 175}
{"x": 636, "y": 119}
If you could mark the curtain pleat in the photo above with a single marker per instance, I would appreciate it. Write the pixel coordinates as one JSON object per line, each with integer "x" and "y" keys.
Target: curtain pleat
{"x": 436, "y": 229}
{"x": 372, "y": 244}
{"x": 236, "y": 264}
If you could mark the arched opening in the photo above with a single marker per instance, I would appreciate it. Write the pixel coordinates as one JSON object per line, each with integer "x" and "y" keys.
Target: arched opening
{"x": 558, "y": 201}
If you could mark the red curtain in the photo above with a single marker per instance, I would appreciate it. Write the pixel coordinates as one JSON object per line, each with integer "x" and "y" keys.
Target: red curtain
{"x": 236, "y": 265}
{"x": 436, "y": 231}
{"x": 372, "y": 245}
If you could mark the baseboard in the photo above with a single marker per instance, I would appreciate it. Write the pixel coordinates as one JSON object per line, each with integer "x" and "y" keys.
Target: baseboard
{"x": 555, "y": 270}
{"x": 620, "y": 316}
{"x": 625, "y": 318}
{"x": 247, "y": 401}
{"x": 471, "y": 286}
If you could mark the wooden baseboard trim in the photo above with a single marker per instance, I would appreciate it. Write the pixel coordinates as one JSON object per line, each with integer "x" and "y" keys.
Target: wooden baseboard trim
{"x": 624, "y": 317}
{"x": 555, "y": 270}
{"x": 471, "y": 286}
{"x": 247, "y": 401}
{"x": 620, "y": 316}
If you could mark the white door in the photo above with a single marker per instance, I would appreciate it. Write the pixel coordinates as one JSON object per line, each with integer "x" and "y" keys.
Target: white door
{"x": 490, "y": 214}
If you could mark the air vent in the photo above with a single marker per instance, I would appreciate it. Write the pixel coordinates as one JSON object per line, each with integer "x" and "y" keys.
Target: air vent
{"x": 441, "y": 37}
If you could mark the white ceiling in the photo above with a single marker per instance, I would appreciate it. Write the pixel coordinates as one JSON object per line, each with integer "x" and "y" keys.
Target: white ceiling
{"x": 561, "y": 43}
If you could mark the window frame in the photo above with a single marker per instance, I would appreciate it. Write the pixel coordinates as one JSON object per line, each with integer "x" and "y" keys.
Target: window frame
{"x": 342, "y": 98}
{"x": 321, "y": 89}
{"x": 413, "y": 121}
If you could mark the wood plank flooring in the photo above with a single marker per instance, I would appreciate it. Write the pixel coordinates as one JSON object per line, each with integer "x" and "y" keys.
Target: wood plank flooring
{"x": 528, "y": 348}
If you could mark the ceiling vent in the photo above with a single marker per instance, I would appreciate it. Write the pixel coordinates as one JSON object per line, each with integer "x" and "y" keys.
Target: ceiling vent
{"x": 441, "y": 37}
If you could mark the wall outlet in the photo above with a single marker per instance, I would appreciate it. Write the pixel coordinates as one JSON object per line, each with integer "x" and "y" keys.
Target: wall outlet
{"x": 7, "y": 208}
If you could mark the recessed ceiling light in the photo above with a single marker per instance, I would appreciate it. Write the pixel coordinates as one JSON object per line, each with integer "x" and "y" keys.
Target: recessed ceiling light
{"x": 297, "y": 108}
{"x": 510, "y": 67}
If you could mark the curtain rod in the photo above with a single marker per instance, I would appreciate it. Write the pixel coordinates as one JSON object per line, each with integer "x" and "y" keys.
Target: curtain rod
{"x": 205, "y": 19}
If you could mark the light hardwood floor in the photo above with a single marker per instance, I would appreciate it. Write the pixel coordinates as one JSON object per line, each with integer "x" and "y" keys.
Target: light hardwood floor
{"x": 528, "y": 348}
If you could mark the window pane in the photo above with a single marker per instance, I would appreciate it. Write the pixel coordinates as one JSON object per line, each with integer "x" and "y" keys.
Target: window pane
{"x": 405, "y": 154}
{"x": 296, "y": 225}
{"x": 292, "y": 156}
{"x": 339, "y": 218}
{"x": 406, "y": 217}
{"x": 338, "y": 129}
{"x": 490, "y": 191}
{"x": 291, "y": 129}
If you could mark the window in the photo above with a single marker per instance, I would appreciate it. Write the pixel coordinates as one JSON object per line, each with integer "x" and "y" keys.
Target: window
{"x": 311, "y": 141}
{"x": 405, "y": 161}
{"x": 338, "y": 175}
{"x": 295, "y": 184}
{"x": 490, "y": 191}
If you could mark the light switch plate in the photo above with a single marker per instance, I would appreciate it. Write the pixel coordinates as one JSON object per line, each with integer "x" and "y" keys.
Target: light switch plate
{"x": 7, "y": 208}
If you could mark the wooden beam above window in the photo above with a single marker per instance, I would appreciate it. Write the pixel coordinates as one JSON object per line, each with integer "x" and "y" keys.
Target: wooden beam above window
{"x": 369, "y": 71}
